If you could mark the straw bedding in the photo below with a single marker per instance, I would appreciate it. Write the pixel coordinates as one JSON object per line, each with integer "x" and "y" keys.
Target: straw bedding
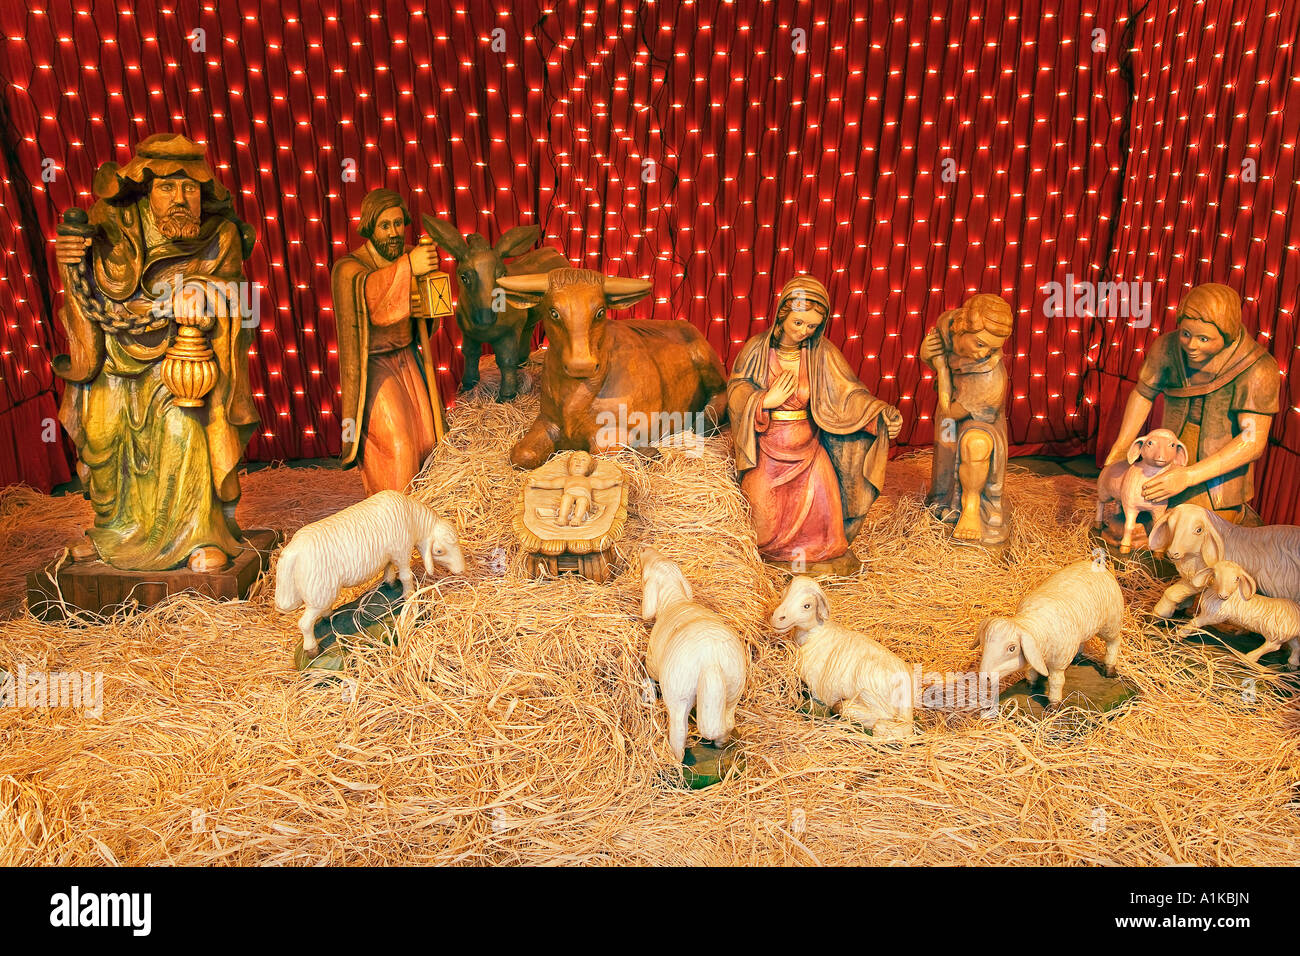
{"x": 512, "y": 723}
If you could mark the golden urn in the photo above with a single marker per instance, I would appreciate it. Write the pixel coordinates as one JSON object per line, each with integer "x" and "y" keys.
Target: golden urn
{"x": 189, "y": 370}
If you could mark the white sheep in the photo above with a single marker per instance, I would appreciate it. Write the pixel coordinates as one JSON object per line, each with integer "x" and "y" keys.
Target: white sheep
{"x": 842, "y": 668}
{"x": 1054, "y": 620}
{"x": 1195, "y": 539}
{"x": 352, "y": 546}
{"x": 1230, "y": 596}
{"x": 1148, "y": 456}
{"x": 698, "y": 660}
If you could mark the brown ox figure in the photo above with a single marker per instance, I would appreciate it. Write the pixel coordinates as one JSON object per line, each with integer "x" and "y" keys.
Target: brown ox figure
{"x": 607, "y": 383}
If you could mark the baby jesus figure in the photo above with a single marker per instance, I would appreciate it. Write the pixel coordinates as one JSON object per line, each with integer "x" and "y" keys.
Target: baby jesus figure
{"x": 576, "y": 488}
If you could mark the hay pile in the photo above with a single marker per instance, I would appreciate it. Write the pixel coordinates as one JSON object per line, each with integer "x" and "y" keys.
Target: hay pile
{"x": 510, "y": 724}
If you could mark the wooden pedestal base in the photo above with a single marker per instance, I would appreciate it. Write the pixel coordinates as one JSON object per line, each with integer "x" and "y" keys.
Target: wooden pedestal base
{"x": 1227, "y": 646}
{"x": 844, "y": 566}
{"x": 597, "y": 565}
{"x": 55, "y": 592}
{"x": 996, "y": 543}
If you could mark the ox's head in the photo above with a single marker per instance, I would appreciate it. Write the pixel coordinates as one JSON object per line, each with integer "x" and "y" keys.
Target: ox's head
{"x": 479, "y": 266}
{"x": 574, "y": 304}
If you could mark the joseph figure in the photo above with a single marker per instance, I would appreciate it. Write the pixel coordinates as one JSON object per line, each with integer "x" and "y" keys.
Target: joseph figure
{"x": 388, "y": 405}
{"x": 159, "y": 472}
{"x": 1221, "y": 390}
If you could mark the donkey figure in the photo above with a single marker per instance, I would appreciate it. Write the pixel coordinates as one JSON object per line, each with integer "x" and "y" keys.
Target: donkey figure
{"x": 483, "y": 311}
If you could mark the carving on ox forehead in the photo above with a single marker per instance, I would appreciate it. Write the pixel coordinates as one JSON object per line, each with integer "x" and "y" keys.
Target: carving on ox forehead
{"x": 577, "y": 280}
{"x": 587, "y": 278}
{"x": 567, "y": 278}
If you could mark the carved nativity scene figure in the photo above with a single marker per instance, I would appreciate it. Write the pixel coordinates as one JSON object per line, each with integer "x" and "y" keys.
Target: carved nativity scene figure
{"x": 811, "y": 441}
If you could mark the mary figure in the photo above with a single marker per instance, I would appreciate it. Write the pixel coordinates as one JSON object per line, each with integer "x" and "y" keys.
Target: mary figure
{"x": 811, "y": 442}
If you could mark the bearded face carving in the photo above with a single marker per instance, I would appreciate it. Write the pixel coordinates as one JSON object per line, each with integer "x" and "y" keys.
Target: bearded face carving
{"x": 175, "y": 204}
{"x": 389, "y": 232}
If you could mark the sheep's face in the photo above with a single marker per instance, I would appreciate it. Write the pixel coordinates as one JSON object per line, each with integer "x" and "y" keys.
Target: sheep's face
{"x": 444, "y": 547}
{"x": 1230, "y": 577}
{"x": 1161, "y": 448}
{"x": 1186, "y": 531}
{"x": 803, "y": 606}
{"x": 1004, "y": 647}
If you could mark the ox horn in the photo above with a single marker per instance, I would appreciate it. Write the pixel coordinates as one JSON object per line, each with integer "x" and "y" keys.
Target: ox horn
{"x": 617, "y": 285}
{"x": 530, "y": 282}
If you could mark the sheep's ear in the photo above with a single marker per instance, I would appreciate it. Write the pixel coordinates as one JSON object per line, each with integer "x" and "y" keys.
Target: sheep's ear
{"x": 1202, "y": 577}
{"x": 1161, "y": 534}
{"x": 1180, "y": 453}
{"x": 823, "y": 608}
{"x": 650, "y": 600}
{"x": 978, "y": 642}
{"x": 1212, "y": 550}
{"x": 1246, "y": 585}
{"x": 1135, "y": 449}
{"x": 1033, "y": 653}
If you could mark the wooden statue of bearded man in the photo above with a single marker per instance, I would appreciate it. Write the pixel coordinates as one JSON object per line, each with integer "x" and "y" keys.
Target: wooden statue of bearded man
{"x": 388, "y": 404}
{"x": 157, "y": 263}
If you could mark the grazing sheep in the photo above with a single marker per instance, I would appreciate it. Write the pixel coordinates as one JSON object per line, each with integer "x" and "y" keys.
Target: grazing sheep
{"x": 695, "y": 656}
{"x": 352, "y": 545}
{"x": 869, "y": 684}
{"x": 1233, "y": 599}
{"x": 1148, "y": 456}
{"x": 1195, "y": 539}
{"x": 1081, "y": 601}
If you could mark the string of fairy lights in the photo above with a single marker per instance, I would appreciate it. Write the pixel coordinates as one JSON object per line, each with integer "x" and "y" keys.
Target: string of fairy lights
{"x": 908, "y": 156}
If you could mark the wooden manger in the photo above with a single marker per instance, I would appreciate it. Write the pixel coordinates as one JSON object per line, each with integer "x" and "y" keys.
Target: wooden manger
{"x": 583, "y": 546}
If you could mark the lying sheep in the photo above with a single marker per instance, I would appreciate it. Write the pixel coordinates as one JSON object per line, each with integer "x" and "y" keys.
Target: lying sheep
{"x": 1195, "y": 540}
{"x": 698, "y": 660}
{"x": 1081, "y": 601}
{"x": 1230, "y": 596}
{"x": 352, "y": 546}
{"x": 1148, "y": 456}
{"x": 842, "y": 668}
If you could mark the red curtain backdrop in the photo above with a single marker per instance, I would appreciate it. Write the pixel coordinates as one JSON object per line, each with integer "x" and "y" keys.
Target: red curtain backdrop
{"x": 907, "y": 153}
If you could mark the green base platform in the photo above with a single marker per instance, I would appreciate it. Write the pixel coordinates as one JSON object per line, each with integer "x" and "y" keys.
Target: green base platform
{"x": 1086, "y": 687}
{"x": 369, "y": 617}
{"x": 810, "y": 706}
{"x": 703, "y": 765}
{"x": 1155, "y": 565}
{"x": 1226, "y": 646}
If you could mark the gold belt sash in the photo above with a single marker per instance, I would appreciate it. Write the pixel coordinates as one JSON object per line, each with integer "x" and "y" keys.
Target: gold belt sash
{"x": 789, "y": 415}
